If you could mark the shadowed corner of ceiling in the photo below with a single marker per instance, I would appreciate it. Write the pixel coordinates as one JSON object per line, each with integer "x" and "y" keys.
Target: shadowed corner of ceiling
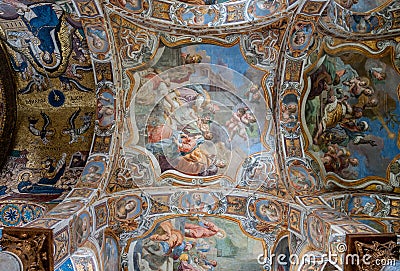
{"x": 8, "y": 111}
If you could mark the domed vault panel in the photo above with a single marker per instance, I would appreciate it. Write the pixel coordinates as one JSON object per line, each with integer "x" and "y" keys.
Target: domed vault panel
{"x": 197, "y": 113}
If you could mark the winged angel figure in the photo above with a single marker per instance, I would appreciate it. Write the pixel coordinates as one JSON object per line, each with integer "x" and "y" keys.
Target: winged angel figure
{"x": 45, "y": 131}
{"x": 76, "y": 133}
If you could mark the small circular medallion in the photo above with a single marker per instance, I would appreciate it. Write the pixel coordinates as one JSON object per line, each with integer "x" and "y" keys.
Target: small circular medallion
{"x": 56, "y": 98}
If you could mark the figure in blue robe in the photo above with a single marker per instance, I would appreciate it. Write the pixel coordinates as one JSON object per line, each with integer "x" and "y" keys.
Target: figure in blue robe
{"x": 31, "y": 188}
{"x": 41, "y": 27}
{"x": 53, "y": 180}
{"x": 3, "y": 190}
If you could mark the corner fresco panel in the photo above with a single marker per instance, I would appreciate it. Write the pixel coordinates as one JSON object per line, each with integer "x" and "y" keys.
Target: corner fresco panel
{"x": 195, "y": 244}
{"x": 352, "y": 114}
{"x": 362, "y": 6}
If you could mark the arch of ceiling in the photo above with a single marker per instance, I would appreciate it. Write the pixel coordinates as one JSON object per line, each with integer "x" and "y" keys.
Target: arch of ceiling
{"x": 256, "y": 119}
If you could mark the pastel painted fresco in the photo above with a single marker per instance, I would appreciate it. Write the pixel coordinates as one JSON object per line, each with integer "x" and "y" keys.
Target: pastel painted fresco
{"x": 282, "y": 248}
{"x": 269, "y": 211}
{"x": 93, "y": 172}
{"x": 207, "y": 114}
{"x": 197, "y": 202}
{"x": 110, "y": 254}
{"x": 82, "y": 228}
{"x": 84, "y": 260}
{"x": 301, "y": 36}
{"x": 197, "y": 243}
{"x": 261, "y": 8}
{"x": 363, "y": 5}
{"x": 352, "y": 115}
{"x": 127, "y": 208}
{"x": 97, "y": 38}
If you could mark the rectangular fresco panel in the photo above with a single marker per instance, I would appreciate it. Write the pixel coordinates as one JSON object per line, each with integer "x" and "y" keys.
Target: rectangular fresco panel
{"x": 353, "y": 116}
{"x": 207, "y": 111}
{"x": 195, "y": 244}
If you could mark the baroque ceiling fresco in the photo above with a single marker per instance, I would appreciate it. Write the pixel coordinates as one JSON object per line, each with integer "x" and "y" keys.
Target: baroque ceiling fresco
{"x": 199, "y": 135}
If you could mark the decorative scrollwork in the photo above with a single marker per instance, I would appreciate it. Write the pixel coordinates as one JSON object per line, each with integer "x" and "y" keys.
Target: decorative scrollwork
{"x": 222, "y": 13}
{"x": 134, "y": 170}
{"x": 105, "y": 85}
{"x": 144, "y": 226}
{"x": 290, "y": 85}
{"x": 258, "y": 170}
{"x": 232, "y": 38}
{"x": 104, "y": 132}
{"x": 223, "y": 182}
{"x": 377, "y": 252}
{"x": 136, "y": 45}
{"x": 174, "y": 203}
{"x": 259, "y": 48}
{"x": 124, "y": 259}
{"x": 221, "y": 205}
{"x": 382, "y": 44}
{"x": 250, "y": 227}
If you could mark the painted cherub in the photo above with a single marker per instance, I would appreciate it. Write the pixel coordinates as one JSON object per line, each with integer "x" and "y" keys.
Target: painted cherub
{"x": 203, "y": 123}
{"x": 253, "y": 94}
{"x": 289, "y": 112}
{"x": 233, "y": 123}
{"x": 240, "y": 119}
{"x": 358, "y": 85}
